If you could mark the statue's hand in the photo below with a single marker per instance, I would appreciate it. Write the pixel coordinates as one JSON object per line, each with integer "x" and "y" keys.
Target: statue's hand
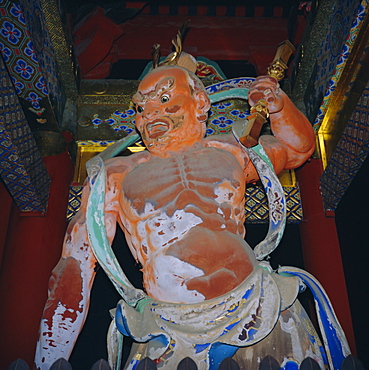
{"x": 267, "y": 88}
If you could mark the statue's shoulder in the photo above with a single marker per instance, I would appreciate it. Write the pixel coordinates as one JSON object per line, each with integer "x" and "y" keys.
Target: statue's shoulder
{"x": 225, "y": 141}
{"x": 121, "y": 165}
{"x": 228, "y": 143}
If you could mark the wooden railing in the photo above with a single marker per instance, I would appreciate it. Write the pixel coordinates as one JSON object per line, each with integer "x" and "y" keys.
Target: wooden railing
{"x": 268, "y": 363}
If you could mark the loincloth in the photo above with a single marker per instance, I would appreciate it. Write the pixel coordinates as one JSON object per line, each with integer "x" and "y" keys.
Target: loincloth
{"x": 240, "y": 318}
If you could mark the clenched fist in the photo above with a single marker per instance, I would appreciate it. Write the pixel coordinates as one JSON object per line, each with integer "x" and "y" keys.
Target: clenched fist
{"x": 267, "y": 88}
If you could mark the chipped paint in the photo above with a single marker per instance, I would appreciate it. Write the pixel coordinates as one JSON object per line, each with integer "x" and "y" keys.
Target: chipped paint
{"x": 181, "y": 208}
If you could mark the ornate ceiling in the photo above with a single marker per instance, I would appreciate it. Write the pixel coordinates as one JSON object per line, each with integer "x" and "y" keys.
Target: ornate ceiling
{"x": 41, "y": 77}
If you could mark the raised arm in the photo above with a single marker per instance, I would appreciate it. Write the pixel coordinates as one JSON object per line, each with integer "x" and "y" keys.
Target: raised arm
{"x": 293, "y": 140}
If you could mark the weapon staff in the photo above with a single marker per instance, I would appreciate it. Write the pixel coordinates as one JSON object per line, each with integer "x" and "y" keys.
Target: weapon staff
{"x": 259, "y": 112}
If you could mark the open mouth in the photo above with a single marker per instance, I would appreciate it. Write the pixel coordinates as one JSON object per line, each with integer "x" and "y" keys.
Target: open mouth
{"x": 157, "y": 128}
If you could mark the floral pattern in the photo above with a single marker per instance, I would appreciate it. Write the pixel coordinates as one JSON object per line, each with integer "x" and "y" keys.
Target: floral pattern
{"x": 128, "y": 113}
{"x": 119, "y": 121}
{"x": 222, "y": 121}
{"x": 244, "y": 82}
{"x": 18, "y": 85}
{"x": 209, "y": 131}
{"x": 96, "y": 120}
{"x": 17, "y": 12}
{"x": 34, "y": 99}
{"x": 24, "y": 69}
{"x": 5, "y": 52}
{"x": 10, "y": 32}
{"x": 110, "y": 121}
{"x": 238, "y": 114}
{"x": 125, "y": 128}
{"x": 34, "y": 74}
{"x": 222, "y": 105}
{"x": 30, "y": 51}
{"x": 40, "y": 84}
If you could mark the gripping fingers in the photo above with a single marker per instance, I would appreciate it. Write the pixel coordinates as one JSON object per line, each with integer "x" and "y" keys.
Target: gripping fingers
{"x": 266, "y": 88}
{"x": 269, "y": 95}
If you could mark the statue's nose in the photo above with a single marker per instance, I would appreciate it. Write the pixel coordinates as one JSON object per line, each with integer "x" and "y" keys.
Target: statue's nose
{"x": 151, "y": 110}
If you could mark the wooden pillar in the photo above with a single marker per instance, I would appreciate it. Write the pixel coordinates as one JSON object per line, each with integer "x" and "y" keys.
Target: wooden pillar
{"x": 320, "y": 244}
{"x": 32, "y": 248}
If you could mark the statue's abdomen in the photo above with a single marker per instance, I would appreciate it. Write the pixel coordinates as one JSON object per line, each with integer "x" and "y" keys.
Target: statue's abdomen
{"x": 189, "y": 209}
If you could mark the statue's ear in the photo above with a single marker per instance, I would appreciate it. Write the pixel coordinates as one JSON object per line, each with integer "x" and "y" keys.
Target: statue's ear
{"x": 203, "y": 102}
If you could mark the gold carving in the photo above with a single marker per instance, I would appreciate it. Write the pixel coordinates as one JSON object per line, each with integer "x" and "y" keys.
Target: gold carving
{"x": 279, "y": 64}
{"x": 172, "y": 59}
{"x": 260, "y": 107}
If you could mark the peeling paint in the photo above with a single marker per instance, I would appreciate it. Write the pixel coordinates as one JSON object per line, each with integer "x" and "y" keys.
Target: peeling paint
{"x": 181, "y": 206}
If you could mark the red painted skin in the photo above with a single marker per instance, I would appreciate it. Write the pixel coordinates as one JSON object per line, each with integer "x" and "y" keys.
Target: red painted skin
{"x": 180, "y": 204}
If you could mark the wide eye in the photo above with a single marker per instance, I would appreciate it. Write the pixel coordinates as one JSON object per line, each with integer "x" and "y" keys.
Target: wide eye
{"x": 139, "y": 109}
{"x": 164, "y": 98}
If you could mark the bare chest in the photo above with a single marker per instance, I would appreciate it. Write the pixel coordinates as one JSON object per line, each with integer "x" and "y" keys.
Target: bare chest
{"x": 203, "y": 178}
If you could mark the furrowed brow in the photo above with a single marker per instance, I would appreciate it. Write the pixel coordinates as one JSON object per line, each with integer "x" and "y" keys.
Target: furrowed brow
{"x": 165, "y": 85}
{"x": 137, "y": 98}
{"x": 161, "y": 87}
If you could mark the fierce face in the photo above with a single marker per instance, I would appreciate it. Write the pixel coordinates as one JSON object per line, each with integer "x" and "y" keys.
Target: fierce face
{"x": 171, "y": 110}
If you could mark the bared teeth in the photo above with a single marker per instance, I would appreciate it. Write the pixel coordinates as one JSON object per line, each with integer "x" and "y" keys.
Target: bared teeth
{"x": 156, "y": 129}
{"x": 153, "y": 126}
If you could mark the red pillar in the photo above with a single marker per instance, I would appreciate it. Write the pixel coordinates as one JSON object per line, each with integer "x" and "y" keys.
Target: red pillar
{"x": 321, "y": 248}
{"x": 32, "y": 248}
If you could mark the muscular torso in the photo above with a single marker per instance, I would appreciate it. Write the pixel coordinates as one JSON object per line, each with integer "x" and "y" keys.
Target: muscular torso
{"x": 183, "y": 218}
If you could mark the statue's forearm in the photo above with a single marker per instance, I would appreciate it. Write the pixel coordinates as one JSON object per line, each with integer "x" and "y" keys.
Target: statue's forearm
{"x": 64, "y": 313}
{"x": 68, "y": 300}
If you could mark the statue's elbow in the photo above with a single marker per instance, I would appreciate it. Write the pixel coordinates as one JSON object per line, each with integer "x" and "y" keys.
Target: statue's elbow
{"x": 297, "y": 159}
